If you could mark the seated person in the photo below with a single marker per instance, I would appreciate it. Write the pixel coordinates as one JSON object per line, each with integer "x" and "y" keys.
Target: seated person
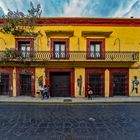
{"x": 89, "y": 91}
{"x": 45, "y": 91}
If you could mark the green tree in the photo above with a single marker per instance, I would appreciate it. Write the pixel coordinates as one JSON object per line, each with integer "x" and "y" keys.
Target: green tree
{"x": 17, "y": 23}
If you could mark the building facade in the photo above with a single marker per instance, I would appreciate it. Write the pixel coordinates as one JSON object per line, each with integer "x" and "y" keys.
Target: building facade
{"x": 69, "y": 55}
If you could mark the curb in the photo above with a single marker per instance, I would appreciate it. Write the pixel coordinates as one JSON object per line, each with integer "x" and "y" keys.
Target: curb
{"x": 61, "y": 103}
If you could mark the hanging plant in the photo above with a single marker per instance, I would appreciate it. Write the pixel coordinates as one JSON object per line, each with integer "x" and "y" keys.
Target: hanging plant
{"x": 13, "y": 54}
{"x": 17, "y": 23}
{"x": 9, "y": 54}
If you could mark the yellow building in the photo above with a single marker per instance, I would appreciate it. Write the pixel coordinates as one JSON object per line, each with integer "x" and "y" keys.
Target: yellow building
{"x": 71, "y": 54}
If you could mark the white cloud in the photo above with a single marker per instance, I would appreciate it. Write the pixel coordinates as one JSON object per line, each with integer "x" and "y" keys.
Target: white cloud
{"x": 75, "y": 8}
{"x": 127, "y": 11}
{"x": 4, "y": 6}
{"x": 12, "y": 4}
{"x": 21, "y": 5}
{"x": 78, "y": 8}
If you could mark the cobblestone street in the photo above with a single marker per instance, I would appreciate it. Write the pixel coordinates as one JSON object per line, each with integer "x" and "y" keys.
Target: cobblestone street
{"x": 70, "y": 122}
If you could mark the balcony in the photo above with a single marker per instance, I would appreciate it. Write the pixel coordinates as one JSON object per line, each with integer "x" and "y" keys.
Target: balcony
{"x": 70, "y": 56}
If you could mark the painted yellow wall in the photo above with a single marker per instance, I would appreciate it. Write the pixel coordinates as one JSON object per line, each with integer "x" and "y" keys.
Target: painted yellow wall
{"x": 14, "y": 82}
{"x": 129, "y": 38}
{"x": 6, "y": 41}
{"x": 78, "y": 72}
{"x": 132, "y": 73}
{"x": 107, "y": 83}
{"x": 39, "y": 72}
{"x": 129, "y": 41}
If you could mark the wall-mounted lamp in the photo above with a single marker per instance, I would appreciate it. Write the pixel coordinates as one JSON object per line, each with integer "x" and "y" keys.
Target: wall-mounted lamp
{"x": 117, "y": 39}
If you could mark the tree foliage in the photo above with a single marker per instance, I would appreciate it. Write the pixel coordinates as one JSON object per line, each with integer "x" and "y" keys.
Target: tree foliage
{"x": 16, "y": 22}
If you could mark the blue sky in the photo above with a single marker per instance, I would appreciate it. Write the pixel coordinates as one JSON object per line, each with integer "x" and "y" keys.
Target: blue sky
{"x": 77, "y": 8}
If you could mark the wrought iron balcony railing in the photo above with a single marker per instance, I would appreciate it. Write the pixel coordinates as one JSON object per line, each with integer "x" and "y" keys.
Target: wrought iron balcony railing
{"x": 70, "y": 56}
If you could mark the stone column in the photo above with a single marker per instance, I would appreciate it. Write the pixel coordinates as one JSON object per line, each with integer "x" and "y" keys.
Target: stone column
{"x": 14, "y": 82}
{"x": 107, "y": 83}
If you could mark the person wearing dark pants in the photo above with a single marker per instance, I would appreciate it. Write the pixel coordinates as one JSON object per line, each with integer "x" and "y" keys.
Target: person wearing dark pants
{"x": 45, "y": 92}
{"x": 135, "y": 84}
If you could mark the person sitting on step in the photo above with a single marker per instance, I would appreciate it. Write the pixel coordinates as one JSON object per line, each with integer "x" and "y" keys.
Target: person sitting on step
{"x": 89, "y": 92}
{"x": 45, "y": 91}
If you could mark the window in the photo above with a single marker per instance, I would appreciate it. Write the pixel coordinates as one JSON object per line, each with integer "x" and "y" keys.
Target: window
{"x": 25, "y": 45}
{"x": 59, "y": 48}
{"x": 95, "y": 48}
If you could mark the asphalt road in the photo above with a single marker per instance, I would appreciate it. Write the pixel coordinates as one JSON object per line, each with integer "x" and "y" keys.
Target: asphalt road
{"x": 70, "y": 122}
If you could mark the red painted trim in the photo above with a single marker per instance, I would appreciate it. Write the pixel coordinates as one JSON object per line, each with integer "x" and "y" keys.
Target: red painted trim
{"x": 76, "y": 21}
{"x": 66, "y": 40}
{"x": 96, "y": 40}
{"x": 8, "y": 70}
{"x": 114, "y": 70}
{"x": 48, "y": 82}
{"x": 95, "y": 70}
{"x": 31, "y": 71}
{"x": 89, "y": 21}
{"x": 31, "y": 40}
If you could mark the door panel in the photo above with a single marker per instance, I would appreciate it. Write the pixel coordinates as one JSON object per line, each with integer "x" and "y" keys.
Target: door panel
{"x": 4, "y": 84}
{"x": 96, "y": 83}
{"x": 25, "y": 85}
{"x": 119, "y": 84}
{"x": 60, "y": 84}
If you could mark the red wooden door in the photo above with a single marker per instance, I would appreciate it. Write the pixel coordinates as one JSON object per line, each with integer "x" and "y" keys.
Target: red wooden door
{"x": 60, "y": 84}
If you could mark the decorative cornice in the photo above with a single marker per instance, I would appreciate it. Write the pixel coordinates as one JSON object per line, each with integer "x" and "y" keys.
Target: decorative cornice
{"x": 86, "y": 21}
{"x": 59, "y": 32}
{"x": 96, "y": 33}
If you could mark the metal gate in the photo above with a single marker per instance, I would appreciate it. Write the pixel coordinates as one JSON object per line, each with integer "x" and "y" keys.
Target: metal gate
{"x": 96, "y": 83}
{"x": 4, "y": 84}
{"x": 119, "y": 83}
{"x": 25, "y": 84}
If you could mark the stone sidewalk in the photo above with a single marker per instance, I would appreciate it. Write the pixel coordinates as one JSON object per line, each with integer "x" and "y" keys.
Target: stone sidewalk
{"x": 69, "y": 100}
